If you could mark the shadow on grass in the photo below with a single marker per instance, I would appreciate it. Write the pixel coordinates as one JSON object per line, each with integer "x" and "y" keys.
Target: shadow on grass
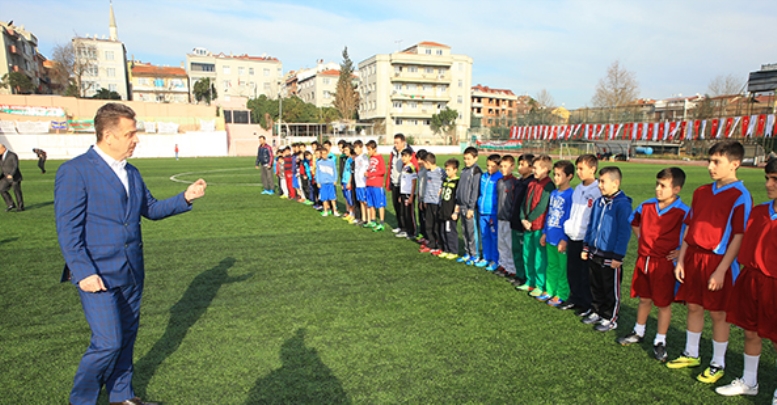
{"x": 302, "y": 379}
{"x": 8, "y": 240}
{"x": 183, "y": 315}
{"x": 38, "y": 205}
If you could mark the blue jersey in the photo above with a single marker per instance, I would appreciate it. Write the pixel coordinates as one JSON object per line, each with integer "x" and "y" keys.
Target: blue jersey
{"x": 488, "y": 201}
{"x": 326, "y": 172}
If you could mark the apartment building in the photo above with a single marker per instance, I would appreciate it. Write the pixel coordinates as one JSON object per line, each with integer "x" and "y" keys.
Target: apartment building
{"x": 105, "y": 61}
{"x": 236, "y": 75}
{"x": 497, "y": 107}
{"x": 20, "y": 54}
{"x": 161, "y": 84}
{"x": 401, "y": 91}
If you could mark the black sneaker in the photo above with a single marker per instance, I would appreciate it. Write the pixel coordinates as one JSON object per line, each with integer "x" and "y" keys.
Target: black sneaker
{"x": 584, "y": 312}
{"x": 630, "y": 339}
{"x": 591, "y": 319}
{"x": 517, "y": 282}
{"x": 659, "y": 352}
{"x": 567, "y": 306}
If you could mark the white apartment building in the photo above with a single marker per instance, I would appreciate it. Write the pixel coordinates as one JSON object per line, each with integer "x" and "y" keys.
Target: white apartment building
{"x": 402, "y": 91}
{"x": 19, "y": 53}
{"x": 319, "y": 89}
{"x": 106, "y": 62}
{"x": 241, "y": 75}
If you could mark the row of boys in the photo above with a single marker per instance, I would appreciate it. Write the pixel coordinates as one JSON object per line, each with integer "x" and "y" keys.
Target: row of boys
{"x": 566, "y": 247}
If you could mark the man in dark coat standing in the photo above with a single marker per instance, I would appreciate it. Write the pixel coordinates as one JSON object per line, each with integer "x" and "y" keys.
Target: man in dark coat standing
{"x": 11, "y": 178}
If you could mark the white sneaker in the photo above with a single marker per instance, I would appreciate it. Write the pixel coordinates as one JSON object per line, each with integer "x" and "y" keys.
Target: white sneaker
{"x": 401, "y": 234}
{"x": 736, "y": 388}
{"x": 396, "y": 230}
{"x": 774, "y": 399}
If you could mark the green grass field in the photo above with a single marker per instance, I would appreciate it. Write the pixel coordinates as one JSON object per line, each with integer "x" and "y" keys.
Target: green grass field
{"x": 251, "y": 299}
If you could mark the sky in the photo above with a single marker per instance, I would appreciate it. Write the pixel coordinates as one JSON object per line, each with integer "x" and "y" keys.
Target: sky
{"x": 673, "y": 47}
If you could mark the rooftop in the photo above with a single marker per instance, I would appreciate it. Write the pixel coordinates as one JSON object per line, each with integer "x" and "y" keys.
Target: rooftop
{"x": 143, "y": 69}
{"x": 486, "y": 89}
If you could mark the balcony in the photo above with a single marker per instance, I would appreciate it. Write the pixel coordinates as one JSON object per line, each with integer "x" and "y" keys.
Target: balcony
{"x": 407, "y": 77}
{"x": 396, "y": 95}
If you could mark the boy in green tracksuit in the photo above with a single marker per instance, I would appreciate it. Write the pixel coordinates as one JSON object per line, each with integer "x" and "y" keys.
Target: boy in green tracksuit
{"x": 533, "y": 211}
{"x": 525, "y": 177}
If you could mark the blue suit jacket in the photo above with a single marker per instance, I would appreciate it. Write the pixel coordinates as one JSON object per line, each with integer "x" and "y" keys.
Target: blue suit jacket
{"x": 98, "y": 226}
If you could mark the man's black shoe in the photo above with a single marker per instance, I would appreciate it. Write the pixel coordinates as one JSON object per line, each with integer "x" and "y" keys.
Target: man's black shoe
{"x": 11, "y": 208}
{"x": 567, "y": 306}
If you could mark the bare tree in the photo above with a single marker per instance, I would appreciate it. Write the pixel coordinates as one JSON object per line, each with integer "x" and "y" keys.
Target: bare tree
{"x": 619, "y": 87}
{"x": 545, "y": 100}
{"x": 723, "y": 85}
{"x": 346, "y": 97}
{"x": 72, "y": 62}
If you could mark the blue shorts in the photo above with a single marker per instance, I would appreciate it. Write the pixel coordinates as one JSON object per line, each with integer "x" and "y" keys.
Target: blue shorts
{"x": 327, "y": 192}
{"x": 376, "y": 197}
{"x": 348, "y": 194}
{"x": 361, "y": 194}
{"x": 295, "y": 182}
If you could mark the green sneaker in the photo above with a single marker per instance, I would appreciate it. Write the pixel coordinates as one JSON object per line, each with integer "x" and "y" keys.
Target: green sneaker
{"x": 536, "y": 292}
{"x": 523, "y": 287}
{"x": 368, "y": 225}
{"x": 684, "y": 361}
{"x": 378, "y": 228}
{"x": 711, "y": 375}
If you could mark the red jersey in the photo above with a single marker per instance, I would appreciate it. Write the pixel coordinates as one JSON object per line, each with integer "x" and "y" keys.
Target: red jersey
{"x": 759, "y": 245}
{"x": 660, "y": 230}
{"x": 376, "y": 171}
{"x": 716, "y": 215}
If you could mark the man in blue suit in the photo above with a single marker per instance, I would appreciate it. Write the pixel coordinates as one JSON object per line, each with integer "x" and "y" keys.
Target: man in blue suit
{"x": 98, "y": 201}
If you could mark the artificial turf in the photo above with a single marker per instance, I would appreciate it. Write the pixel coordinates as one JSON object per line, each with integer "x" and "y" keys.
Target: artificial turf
{"x": 250, "y": 299}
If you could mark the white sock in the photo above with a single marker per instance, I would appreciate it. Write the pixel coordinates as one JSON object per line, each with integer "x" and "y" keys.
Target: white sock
{"x": 750, "y": 375}
{"x": 692, "y": 343}
{"x": 659, "y": 339}
{"x": 639, "y": 329}
{"x": 719, "y": 353}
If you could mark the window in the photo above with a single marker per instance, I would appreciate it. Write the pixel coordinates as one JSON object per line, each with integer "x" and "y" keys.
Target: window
{"x": 397, "y": 69}
{"x": 142, "y": 81}
{"x": 428, "y": 51}
{"x": 108, "y": 55}
{"x": 427, "y": 88}
{"x": 91, "y": 71}
{"x": 241, "y": 71}
{"x": 460, "y": 66}
{"x": 412, "y": 69}
{"x": 397, "y": 121}
{"x": 111, "y": 72}
{"x": 429, "y": 70}
{"x": 397, "y": 86}
{"x": 427, "y": 105}
{"x": 250, "y": 71}
{"x": 440, "y": 106}
{"x": 227, "y": 70}
{"x": 112, "y": 87}
{"x": 461, "y": 83}
{"x": 226, "y": 84}
{"x": 280, "y": 73}
{"x": 266, "y": 87}
{"x": 411, "y": 87}
{"x": 159, "y": 82}
{"x": 87, "y": 52}
{"x": 327, "y": 94}
{"x": 398, "y": 105}
{"x": 439, "y": 52}
{"x": 266, "y": 72}
{"x": 443, "y": 71}
{"x": 427, "y": 122}
{"x": 327, "y": 80}
{"x": 413, "y": 105}
{"x": 203, "y": 67}
{"x": 412, "y": 122}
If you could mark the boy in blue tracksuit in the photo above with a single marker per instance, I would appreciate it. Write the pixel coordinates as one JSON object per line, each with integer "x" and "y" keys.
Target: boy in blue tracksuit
{"x": 487, "y": 207}
{"x": 604, "y": 247}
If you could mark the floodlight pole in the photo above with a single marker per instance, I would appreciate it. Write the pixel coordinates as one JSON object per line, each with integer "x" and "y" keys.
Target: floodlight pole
{"x": 280, "y": 111}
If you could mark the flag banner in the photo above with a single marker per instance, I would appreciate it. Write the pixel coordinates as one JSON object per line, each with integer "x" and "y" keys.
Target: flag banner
{"x": 769, "y": 126}
{"x": 672, "y": 129}
{"x": 759, "y": 130}
{"x": 731, "y": 126}
{"x": 703, "y": 129}
{"x": 513, "y": 132}
{"x": 600, "y": 131}
{"x": 653, "y": 131}
{"x": 681, "y": 130}
{"x": 745, "y": 126}
{"x": 714, "y": 128}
